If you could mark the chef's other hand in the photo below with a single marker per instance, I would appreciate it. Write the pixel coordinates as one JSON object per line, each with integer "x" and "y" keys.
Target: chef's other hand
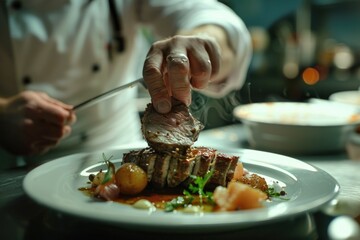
{"x": 177, "y": 64}
{"x": 32, "y": 122}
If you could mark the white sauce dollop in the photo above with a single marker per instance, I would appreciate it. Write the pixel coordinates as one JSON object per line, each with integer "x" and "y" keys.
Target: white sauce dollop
{"x": 144, "y": 204}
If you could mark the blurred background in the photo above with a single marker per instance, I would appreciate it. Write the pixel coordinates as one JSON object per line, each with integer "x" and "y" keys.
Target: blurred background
{"x": 302, "y": 49}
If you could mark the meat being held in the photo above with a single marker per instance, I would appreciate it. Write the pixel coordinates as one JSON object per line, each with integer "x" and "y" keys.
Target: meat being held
{"x": 170, "y": 159}
{"x": 174, "y": 131}
{"x": 172, "y": 170}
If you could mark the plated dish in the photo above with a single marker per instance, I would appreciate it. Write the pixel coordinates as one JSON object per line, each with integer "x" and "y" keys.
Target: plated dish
{"x": 56, "y": 183}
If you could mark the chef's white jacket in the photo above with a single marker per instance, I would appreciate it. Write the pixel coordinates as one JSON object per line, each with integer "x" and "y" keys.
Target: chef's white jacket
{"x": 62, "y": 48}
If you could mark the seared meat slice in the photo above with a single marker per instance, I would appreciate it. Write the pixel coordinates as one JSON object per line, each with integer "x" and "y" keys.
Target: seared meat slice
{"x": 206, "y": 158}
{"x": 203, "y": 161}
{"x": 222, "y": 167}
{"x": 132, "y": 156}
{"x": 144, "y": 158}
{"x": 175, "y": 131}
{"x": 175, "y": 169}
{"x": 233, "y": 164}
{"x": 180, "y": 170}
{"x": 255, "y": 181}
{"x": 147, "y": 162}
{"x": 161, "y": 170}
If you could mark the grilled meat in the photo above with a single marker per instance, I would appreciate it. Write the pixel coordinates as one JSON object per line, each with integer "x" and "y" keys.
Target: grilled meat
{"x": 172, "y": 170}
{"x": 144, "y": 158}
{"x": 174, "y": 131}
{"x": 224, "y": 168}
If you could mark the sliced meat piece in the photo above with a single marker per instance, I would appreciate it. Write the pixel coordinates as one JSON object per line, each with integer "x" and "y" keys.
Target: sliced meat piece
{"x": 175, "y": 131}
{"x": 144, "y": 158}
{"x": 206, "y": 160}
{"x": 175, "y": 169}
{"x": 180, "y": 170}
{"x": 222, "y": 166}
{"x": 133, "y": 156}
{"x": 147, "y": 162}
{"x": 161, "y": 169}
{"x": 203, "y": 160}
{"x": 233, "y": 164}
{"x": 254, "y": 181}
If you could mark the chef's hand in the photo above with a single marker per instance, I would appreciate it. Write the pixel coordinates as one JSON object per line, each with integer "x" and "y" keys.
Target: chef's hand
{"x": 32, "y": 123}
{"x": 175, "y": 65}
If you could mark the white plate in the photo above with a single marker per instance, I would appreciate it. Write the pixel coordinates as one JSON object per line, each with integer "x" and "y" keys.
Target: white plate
{"x": 55, "y": 184}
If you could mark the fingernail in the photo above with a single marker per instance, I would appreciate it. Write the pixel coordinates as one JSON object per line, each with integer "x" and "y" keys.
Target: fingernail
{"x": 71, "y": 119}
{"x": 188, "y": 101}
{"x": 163, "y": 106}
{"x": 66, "y": 131}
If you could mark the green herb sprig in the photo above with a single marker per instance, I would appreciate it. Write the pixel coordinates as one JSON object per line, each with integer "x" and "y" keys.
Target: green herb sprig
{"x": 197, "y": 187}
{"x": 273, "y": 194}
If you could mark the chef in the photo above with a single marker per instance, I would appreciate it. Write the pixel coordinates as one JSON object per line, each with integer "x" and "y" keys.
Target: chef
{"x": 56, "y": 54}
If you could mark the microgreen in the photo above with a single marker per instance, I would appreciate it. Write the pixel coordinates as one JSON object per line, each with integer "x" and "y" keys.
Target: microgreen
{"x": 177, "y": 202}
{"x": 110, "y": 174}
{"x": 199, "y": 185}
{"x": 274, "y": 194}
{"x": 195, "y": 188}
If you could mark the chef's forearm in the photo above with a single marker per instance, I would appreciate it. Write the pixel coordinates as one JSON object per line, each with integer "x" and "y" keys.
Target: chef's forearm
{"x": 227, "y": 53}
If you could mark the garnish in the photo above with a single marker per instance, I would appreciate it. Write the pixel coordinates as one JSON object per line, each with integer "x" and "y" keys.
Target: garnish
{"x": 272, "y": 193}
{"x": 107, "y": 188}
{"x": 197, "y": 187}
{"x": 178, "y": 202}
{"x": 110, "y": 174}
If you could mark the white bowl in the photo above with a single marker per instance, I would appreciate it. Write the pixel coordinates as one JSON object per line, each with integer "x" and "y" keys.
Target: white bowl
{"x": 297, "y": 128}
{"x": 347, "y": 97}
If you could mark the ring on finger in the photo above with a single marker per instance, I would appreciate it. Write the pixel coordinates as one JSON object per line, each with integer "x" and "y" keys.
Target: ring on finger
{"x": 177, "y": 57}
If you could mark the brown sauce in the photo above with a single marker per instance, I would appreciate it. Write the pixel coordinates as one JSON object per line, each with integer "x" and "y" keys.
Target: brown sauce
{"x": 157, "y": 196}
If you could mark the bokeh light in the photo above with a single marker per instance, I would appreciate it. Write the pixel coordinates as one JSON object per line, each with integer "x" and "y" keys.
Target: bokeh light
{"x": 311, "y": 76}
{"x": 290, "y": 70}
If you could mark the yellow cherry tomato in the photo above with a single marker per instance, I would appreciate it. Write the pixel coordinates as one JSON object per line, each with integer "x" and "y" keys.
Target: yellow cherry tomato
{"x": 131, "y": 179}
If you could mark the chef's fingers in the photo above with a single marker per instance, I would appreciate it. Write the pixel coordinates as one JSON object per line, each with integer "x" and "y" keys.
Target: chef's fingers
{"x": 48, "y": 110}
{"x": 154, "y": 79}
{"x": 55, "y": 102}
{"x": 204, "y": 59}
{"x": 41, "y": 147}
{"x": 38, "y": 130}
{"x": 40, "y": 136}
{"x": 176, "y": 64}
{"x": 53, "y": 132}
{"x": 213, "y": 50}
{"x": 178, "y": 70}
{"x": 71, "y": 119}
